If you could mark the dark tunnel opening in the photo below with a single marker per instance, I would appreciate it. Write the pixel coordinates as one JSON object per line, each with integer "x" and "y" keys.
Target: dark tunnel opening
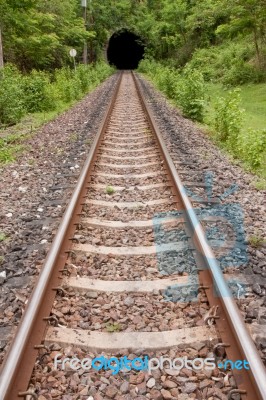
{"x": 125, "y": 50}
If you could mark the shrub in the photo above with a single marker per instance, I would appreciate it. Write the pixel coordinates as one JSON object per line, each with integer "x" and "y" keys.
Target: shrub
{"x": 12, "y": 96}
{"x": 252, "y": 145}
{"x": 37, "y": 94}
{"x": 240, "y": 73}
{"x": 186, "y": 89}
{"x": 230, "y": 63}
{"x": 65, "y": 84}
{"x": 39, "y": 91}
{"x": 190, "y": 94}
{"x": 229, "y": 117}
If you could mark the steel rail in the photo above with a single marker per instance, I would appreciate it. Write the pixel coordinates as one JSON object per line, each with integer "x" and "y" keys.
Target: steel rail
{"x": 13, "y": 368}
{"x": 242, "y": 336}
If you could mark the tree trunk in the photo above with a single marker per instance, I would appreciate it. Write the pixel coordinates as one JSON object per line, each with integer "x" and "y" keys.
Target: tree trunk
{"x": 1, "y": 51}
{"x": 85, "y": 48}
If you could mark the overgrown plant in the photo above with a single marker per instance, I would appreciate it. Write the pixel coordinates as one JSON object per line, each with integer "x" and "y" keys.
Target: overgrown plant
{"x": 190, "y": 94}
{"x": 229, "y": 117}
{"x": 252, "y": 145}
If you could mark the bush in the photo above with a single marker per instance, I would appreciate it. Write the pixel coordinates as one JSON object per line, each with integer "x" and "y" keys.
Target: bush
{"x": 39, "y": 91}
{"x": 186, "y": 89}
{"x": 240, "y": 73}
{"x": 190, "y": 94}
{"x": 37, "y": 94}
{"x": 230, "y": 63}
{"x": 12, "y": 96}
{"x": 252, "y": 145}
{"x": 229, "y": 117}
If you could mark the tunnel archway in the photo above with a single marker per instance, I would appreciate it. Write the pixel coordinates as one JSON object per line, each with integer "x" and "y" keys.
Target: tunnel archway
{"x": 125, "y": 50}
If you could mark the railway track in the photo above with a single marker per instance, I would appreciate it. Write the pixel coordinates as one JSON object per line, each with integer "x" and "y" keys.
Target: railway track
{"x": 130, "y": 274}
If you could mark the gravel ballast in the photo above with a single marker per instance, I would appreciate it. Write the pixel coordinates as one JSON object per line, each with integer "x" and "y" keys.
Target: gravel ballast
{"x": 34, "y": 192}
{"x": 244, "y": 209}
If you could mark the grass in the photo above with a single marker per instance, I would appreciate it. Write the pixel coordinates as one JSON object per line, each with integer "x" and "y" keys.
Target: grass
{"x": 12, "y": 138}
{"x": 253, "y": 101}
{"x": 260, "y": 184}
{"x": 10, "y": 147}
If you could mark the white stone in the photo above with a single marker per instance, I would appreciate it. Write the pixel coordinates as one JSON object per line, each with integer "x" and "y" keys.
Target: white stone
{"x": 22, "y": 189}
{"x": 151, "y": 383}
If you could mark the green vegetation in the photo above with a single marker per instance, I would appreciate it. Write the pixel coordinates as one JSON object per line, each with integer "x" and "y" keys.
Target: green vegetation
{"x": 3, "y": 237}
{"x": 217, "y": 106}
{"x": 115, "y": 327}
{"x": 256, "y": 241}
{"x": 110, "y": 190}
{"x": 45, "y": 92}
{"x": 252, "y": 101}
{"x": 50, "y": 95}
{"x": 207, "y": 50}
{"x": 10, "y": 146}
{"x": 260, "y": 184}
{"x": 186, "y": 88}
{"x": 197, "y": 53}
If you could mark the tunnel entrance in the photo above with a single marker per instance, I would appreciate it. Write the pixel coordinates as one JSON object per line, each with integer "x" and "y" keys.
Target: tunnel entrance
{"x": 125, "y": 50}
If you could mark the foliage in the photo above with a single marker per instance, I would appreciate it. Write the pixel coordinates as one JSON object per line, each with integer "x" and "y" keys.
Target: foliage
{"x": 12, "y": 106}
{"x": 190, "y": 94}
{"x": 228, "y": 117}
{"x": 41, "y": 91}
{"x": 9, "y": 146}
{"x": 224, "y": 39}
{"x": 36, "y": 92}
{"x": 38, "y": 34}
{"x": 115, "y": 327}
{"x": 186, "y": 88}
{"x": 3, "y": 236}
{"x": 252, "y": 145}
{"x": 246, "y": 144}
{"x": 228, "y": 63}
